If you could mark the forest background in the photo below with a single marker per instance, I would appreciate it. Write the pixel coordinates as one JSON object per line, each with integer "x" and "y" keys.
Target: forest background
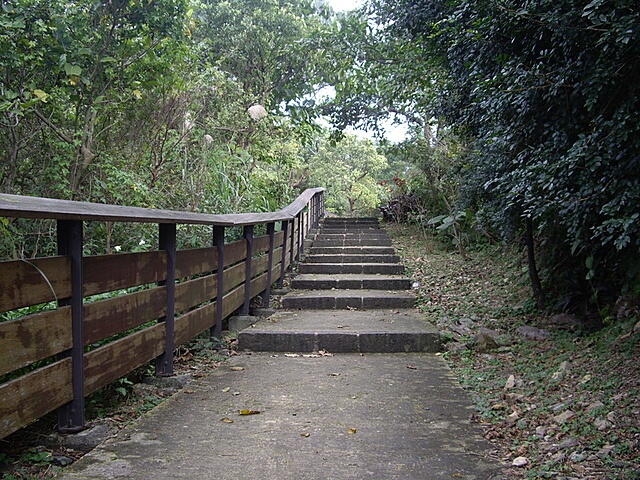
{"x": 522, "y": 117}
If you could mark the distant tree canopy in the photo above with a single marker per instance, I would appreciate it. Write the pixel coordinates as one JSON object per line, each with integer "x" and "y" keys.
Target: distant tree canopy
{"x": 350, "y": 171}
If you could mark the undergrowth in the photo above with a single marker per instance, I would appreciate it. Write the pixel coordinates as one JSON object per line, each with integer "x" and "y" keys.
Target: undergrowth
{"x": 569, "y": 405}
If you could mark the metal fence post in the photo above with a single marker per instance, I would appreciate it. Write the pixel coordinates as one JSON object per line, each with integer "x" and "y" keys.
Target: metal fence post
{"x": 285, "y": 231}
{"x": 218, "y": 241}
{"x": 300, "y": 236}
{"x": 167, "y": 242}
{"x": 247, "y": 234}
{"x": 71, "y": 415}
{"x": 294, "y": 235}
{"x": 266, "y": 295}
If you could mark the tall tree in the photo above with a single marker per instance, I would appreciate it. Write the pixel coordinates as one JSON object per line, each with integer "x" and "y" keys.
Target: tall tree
{"x": 66, "y": 69}
{"x": 547, "y": 88}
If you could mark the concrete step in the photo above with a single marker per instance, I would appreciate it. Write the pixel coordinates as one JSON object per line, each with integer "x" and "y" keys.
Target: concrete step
{"x": 338, "y": 230}
{"x": 350, "y": 281}
{"x": 347, "y": 299}
{"x": 352, "y": 242}
{"x": 352, "y": 233}
{"x": 351, "y": 258}
{"x": 360, "y": 238}
{"x": 380, "y": 250}
{"x": 350, "y": 221}
{"x": 337, "y": 331}
{"x": 342, "y": 268}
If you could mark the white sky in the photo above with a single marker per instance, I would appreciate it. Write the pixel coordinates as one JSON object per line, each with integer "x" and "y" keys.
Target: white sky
{"x": 342, "y": 5}
{"x": 395, "y": 133}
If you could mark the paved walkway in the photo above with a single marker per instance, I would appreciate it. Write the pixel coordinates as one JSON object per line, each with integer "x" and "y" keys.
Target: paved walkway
{"x": 353, "y": 413}
{"x": 346, "y": 416}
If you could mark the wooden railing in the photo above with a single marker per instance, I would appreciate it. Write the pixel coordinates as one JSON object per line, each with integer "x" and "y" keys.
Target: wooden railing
{"x": 55, "y": 358}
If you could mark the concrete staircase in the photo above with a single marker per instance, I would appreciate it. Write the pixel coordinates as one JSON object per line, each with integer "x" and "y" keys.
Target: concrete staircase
{"x": 350, "y": 296}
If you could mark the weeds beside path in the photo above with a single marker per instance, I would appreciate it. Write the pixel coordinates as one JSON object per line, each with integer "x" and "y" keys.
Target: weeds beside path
{"x": 565, "y": 406}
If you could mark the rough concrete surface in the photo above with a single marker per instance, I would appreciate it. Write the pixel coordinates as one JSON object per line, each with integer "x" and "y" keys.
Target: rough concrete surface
{"x": 346, "y": 416}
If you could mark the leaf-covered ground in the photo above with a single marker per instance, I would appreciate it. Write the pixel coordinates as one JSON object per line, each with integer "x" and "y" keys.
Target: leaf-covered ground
{"x": 563, "y": 407}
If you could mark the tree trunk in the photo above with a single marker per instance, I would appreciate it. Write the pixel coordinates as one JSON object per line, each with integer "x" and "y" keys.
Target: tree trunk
{"x": 538, "y": 293}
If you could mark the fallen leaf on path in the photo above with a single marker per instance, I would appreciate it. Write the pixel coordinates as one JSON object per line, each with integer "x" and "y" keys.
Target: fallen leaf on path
{"x": 236, "y": 369}
{"x": 225, "y": 390}
{"x": 226, "y": 420}
{"x": 352, "y": 430}
{"x": 412, "y": 367}
{"x": 249, "y": 412}
{"x": 305, "y": 435}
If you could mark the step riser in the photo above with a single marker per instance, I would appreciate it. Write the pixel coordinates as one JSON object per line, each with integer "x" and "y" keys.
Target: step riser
{"x": 349, "y": 233}
{"x": 341, "y": 284}
{"x": 313, "y": 258}
{"x": 352, "y": 250}
{"x": 373, "y": 242}
{"x": 333, "y": 238}
{"x": 370, "y": 268}
{"x": 342, "y": 303}
{"x": 343, "y": 230}
{"x": 340, "y": 343}
{"x": 349, "y": 221}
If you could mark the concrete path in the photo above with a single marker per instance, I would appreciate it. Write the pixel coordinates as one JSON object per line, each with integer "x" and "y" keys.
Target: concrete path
{"x": 311, "y": 397}
{"x": 346, "y": 416}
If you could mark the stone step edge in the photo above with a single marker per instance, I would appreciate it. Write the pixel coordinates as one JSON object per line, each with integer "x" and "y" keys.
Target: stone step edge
{"x": 340, "y": 342}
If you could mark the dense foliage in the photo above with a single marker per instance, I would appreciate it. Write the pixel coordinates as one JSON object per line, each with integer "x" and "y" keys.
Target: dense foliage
{"x": 545, "y": 95}
{"x": 189, "y": 105}
{"x": 524, "y": 116}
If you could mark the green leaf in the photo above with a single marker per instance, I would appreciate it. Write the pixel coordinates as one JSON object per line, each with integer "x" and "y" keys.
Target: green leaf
{"x": 72, "y": 70}
{"x": 436, "y": 219}
{"x": 42, "y": 95}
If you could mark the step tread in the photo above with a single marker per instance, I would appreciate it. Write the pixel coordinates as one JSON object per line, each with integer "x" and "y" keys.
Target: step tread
{"x": 365, "y": 331}
{"x": 401, "y": 320}
{"x": 343, "y": 293}
{"x": 352, "y": 258}
{"x": 349, "y": 276}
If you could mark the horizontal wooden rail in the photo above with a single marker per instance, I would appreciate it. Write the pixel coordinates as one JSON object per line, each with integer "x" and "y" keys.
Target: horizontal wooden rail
{"x": 37, "y": 207}
{"x": 148, "y": 303}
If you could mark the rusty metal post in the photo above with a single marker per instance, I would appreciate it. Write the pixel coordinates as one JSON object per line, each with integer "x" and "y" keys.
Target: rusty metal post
{"x": 167, "y": 242}
{"x": 266, "y": 295}
{"x": 218, "y": 241}
{"x": 247, "y": 234}
{"x": 71, "y": 415}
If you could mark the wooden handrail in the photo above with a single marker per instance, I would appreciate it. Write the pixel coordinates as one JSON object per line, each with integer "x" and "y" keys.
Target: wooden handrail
{"x": 74, "y": 346}
{"x": 37, "y": 207}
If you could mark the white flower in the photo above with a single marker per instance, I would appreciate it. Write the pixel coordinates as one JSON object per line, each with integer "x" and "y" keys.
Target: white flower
{"x": 117, "y": 248}
{"x": 257, "y": 112}
{"x": 141, "y": 242}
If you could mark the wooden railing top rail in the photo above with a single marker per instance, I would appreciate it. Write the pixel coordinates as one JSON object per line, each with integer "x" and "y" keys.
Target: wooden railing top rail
{"x": 38, "y": 207}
